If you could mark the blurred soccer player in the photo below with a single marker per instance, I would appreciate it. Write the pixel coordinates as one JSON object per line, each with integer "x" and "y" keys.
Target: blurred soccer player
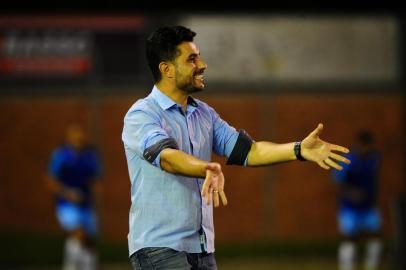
{"x": 72, "y": 173}
{"x": 358, "y": 216}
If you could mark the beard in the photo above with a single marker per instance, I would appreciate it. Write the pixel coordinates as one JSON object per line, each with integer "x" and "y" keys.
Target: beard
{"x": 186, "y": 83}
{"x": 188, "y": 87}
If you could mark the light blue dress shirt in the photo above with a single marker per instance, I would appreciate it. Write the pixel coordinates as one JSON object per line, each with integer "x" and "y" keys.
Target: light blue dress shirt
{"x": 167, "y": 210}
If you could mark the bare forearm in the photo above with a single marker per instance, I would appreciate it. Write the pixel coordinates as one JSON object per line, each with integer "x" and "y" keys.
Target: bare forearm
{"x": 266, "y": 153}
{"x": 178, "y": 162}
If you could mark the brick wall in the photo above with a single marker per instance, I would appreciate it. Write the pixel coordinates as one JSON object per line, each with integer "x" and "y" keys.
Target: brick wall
{"x": 295, "y": 200}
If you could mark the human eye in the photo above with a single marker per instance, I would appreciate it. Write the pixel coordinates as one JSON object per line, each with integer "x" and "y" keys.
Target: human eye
{"x": 192, "y": 58}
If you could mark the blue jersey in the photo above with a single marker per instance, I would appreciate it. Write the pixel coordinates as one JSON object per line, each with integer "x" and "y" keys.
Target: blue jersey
{"x": 75, "y": 169}
{"x": 360, "y": 176}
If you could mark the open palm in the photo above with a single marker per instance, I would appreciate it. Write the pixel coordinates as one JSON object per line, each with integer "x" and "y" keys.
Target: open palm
{"x": 321, "y": 152}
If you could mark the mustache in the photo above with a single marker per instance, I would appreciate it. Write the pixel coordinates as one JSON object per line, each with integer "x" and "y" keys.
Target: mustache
{"x": 199, "y": 72}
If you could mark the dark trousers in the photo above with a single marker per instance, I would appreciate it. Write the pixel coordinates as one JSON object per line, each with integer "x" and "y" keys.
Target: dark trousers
{"x": 169, "y": 259}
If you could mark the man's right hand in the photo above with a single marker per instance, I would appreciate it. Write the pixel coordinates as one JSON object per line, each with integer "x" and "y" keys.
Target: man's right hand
{"x": 213, "y": 186}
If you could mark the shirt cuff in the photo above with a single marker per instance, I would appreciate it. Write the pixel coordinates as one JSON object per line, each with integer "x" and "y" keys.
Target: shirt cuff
{"x": 153, "y": 153}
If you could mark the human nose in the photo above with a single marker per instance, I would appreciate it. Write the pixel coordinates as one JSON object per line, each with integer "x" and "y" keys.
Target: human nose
{"x": 202, "y": 64}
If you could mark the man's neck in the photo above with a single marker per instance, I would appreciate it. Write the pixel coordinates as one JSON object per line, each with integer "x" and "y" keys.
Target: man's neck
{"x": 174, "y": 93}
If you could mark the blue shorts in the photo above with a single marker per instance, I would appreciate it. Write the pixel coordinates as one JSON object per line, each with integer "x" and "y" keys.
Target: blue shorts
{"x": 354, "y": 221}
{"x": 72, "y": 217}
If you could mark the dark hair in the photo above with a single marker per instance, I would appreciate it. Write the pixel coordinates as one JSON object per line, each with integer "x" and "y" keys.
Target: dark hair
{"x": 161, "y": 46}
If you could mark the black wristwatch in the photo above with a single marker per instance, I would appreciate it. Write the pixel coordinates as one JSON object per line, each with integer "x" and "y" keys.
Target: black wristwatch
{"x": 297, "y": 148}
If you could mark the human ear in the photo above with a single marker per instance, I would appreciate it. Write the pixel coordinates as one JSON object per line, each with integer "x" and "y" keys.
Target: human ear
{"x": 166, "y": 69}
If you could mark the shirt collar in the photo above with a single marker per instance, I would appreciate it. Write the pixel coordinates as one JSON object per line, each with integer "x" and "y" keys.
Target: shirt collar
{"x": 191, "y": 101}
{"x": 166, "y": 102}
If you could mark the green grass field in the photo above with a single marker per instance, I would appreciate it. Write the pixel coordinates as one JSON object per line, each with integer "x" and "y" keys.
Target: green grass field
{"x": 278, "y": 264}
{"x": 44, "y": 252}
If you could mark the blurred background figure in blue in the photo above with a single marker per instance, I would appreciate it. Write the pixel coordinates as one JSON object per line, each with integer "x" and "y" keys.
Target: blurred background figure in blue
{"x": 359, "y": 219}
{"x": 73, "y": 170}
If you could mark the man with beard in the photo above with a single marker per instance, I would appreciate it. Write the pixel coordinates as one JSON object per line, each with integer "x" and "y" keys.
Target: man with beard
{"x": 169, "y": 137}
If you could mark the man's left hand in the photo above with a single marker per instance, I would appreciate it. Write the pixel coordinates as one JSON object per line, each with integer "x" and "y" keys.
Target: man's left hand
{"x": 316, "y": 150}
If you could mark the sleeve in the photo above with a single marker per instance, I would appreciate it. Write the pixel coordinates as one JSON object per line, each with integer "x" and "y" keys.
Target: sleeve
{"x": 230, "y": 143}
{"x": 144, "y": 134}
{"x": 55, "y": 163}
{"x": 241, "y": 149}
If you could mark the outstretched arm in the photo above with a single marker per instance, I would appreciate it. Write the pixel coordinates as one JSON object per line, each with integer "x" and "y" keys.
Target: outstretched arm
{"x": 312, "y": 149}
{"x": 178, "y": 162}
